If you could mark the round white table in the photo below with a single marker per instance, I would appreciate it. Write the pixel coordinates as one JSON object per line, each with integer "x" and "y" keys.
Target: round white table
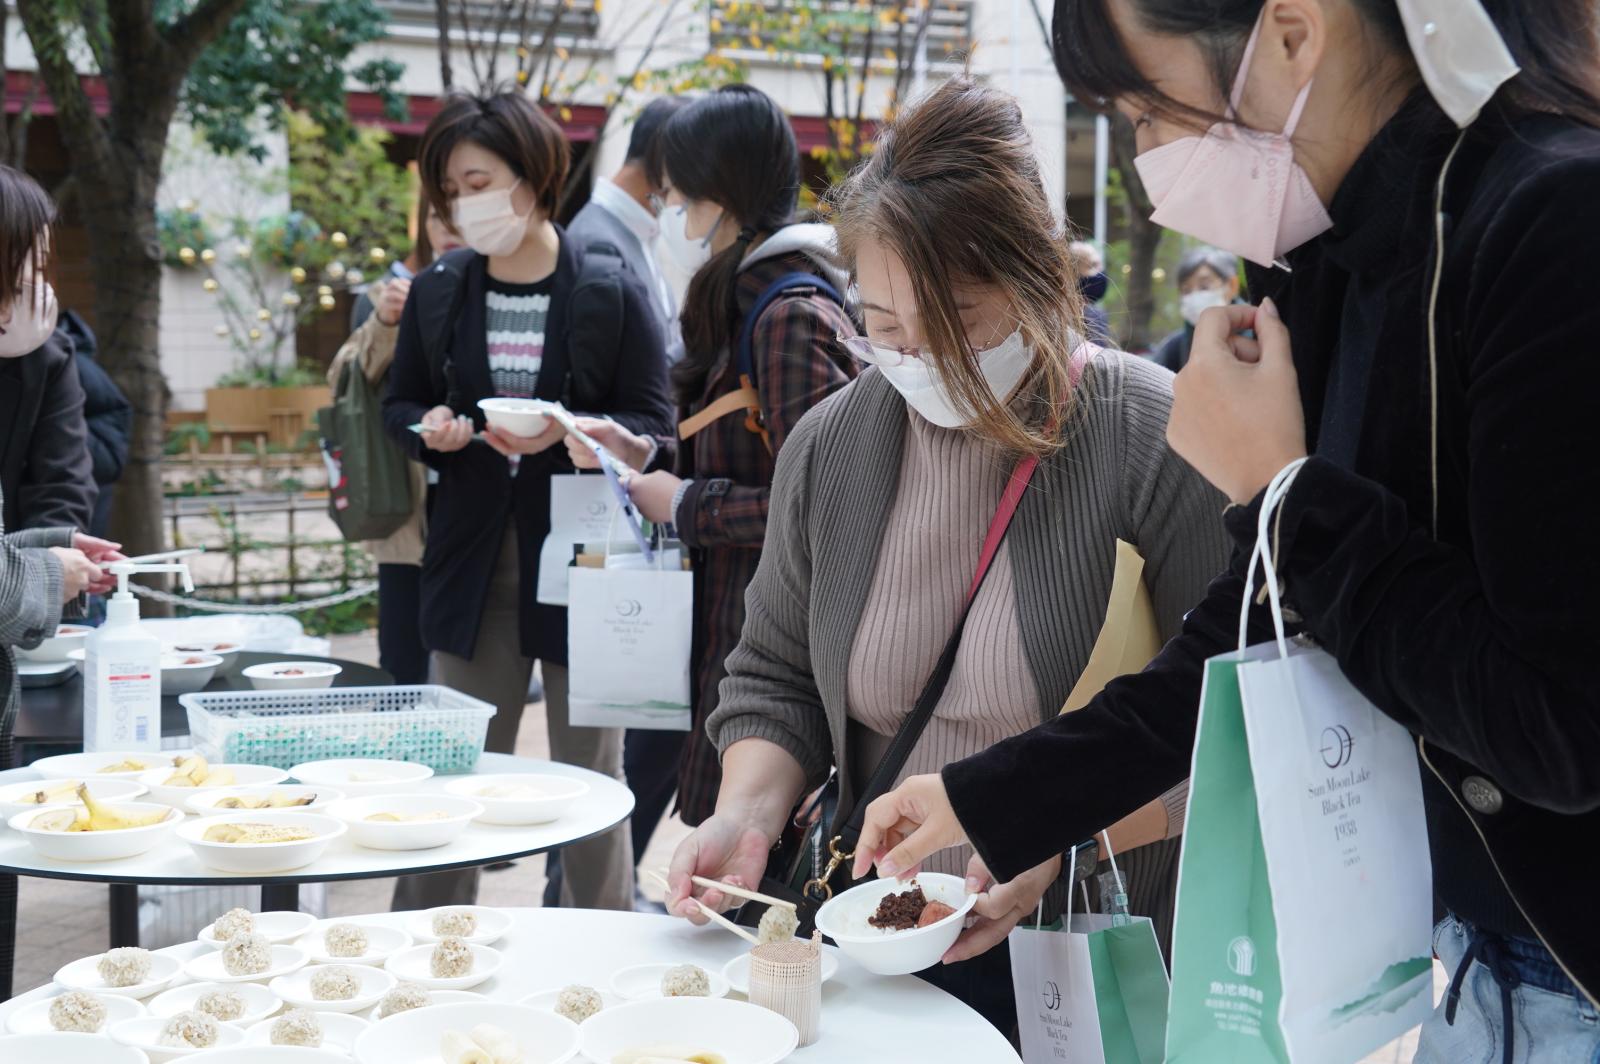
{"x": 606, "y": 805}
{"x": 866, "y": 1018}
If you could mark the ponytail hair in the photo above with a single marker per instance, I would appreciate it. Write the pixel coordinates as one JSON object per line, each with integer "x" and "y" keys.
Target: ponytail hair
{"x": 735, "y": 148}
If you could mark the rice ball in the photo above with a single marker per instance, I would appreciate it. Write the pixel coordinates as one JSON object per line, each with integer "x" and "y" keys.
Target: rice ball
{"x": 247, "y": 955}
{"x": 451, "y": 958}
{"x": 78, "y": 1011}
{"x": 686, "y": 980}
{"x": 403, "y": 998}
{"x": 345, "y": 940}
{"x": 458, "y": 923}
{"x": 232, "y": 924}
{"x": 578, "y": 1003}
{"x": 334, "y": 983}
{"x": 225, "y": 1005}
{"x": 778, "y": 924}
{"x": 124, "y": 966}
{"x": 297, "y": 1027}
{"x": 189, "y": 1030}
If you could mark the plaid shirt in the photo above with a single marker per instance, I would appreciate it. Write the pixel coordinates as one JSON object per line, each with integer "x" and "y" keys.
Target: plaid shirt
{"x": 30, "y": 608}
{"x": 723, "y": 513}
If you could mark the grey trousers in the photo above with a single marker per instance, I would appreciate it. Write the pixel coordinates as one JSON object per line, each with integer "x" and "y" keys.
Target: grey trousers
{"x": 598, "y": 873}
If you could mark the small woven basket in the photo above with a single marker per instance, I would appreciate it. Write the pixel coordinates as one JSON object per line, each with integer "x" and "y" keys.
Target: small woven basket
{"x": 786, "y": 977}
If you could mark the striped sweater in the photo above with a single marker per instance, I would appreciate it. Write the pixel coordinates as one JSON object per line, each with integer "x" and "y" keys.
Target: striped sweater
{"x": 514, "y": 326}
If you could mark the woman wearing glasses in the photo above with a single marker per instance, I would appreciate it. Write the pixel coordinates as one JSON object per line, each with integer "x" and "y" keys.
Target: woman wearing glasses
{"x": 882, "y": 501}
{"x": 729, "y": 171}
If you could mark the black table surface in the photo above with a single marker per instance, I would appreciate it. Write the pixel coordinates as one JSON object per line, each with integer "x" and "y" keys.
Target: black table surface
{"x": 55, "y": 714}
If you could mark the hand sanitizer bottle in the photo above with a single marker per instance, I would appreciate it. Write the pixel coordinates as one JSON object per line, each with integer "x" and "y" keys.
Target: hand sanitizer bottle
{"x": 122, "y": 671}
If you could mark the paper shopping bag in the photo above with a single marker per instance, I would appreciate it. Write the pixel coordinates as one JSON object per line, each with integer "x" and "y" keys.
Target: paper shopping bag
{"x": 581, "y": 509}
{"x": 629, "y": 634}
{"x": 1339, "y": 796}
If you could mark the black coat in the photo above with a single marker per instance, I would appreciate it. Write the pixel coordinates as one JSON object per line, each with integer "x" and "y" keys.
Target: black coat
{"x": 45, "y": 467}
{"x": 1478, "y": 637}
{"x": 476, "y": 493}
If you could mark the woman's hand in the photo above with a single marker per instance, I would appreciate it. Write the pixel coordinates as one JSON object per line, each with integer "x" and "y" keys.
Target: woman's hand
{"x": 907, "y": 826}
{"x": 508, "y": 443}
{"x": 631, "y": 448}
{"x": 102, "y": 552}
{"x": 724, "y": 847}
{"x": 652, "y": 493}
{"x": 1000, "y": 906}
{"x": 1236, "y": 414}
{"x": 391, "y": 301}
{"x": 78, "y": 573}
{"x": 445, "y": 431}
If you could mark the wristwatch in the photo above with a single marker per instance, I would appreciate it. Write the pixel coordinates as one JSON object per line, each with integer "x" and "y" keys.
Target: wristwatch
{"x": 1087, "y": 859}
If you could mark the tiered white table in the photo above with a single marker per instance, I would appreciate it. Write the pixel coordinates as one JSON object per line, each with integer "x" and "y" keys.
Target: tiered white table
{"x": 866, "y": 1018}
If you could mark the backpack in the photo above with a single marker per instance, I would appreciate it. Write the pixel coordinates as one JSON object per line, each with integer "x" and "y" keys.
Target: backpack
{"x": 369, "y": 482}
{"x": 747, "y": 398}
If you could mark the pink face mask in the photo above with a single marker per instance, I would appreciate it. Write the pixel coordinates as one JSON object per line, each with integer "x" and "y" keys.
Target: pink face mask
{"x": 1235, "y": 188}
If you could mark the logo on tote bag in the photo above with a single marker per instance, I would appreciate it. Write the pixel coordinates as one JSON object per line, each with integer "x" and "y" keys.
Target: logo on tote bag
{"x": 1242, "y": 956}
{"x": 1337, "y": 746}
{"x": 1052, "y": 996}
{"x": 628, "y": 609}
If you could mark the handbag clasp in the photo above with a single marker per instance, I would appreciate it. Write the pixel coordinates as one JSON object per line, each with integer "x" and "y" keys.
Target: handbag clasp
{"x": 818, "y": 888}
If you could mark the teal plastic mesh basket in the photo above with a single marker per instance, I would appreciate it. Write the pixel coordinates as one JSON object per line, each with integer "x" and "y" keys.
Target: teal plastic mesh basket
{"x": 429, "y": 724}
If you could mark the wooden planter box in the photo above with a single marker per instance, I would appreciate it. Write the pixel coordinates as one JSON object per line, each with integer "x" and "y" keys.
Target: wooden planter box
{"x": 281, "y": 414}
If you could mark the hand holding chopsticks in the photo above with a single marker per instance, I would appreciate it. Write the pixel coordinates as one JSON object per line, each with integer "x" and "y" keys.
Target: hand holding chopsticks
{"x": 709, "y": 912}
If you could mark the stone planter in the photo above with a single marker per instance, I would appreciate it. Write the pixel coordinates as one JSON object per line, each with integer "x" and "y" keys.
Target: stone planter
{"x": 280, "y": 414}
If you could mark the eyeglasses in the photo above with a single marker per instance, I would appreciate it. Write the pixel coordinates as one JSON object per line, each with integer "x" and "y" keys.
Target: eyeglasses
{"x": 873, "y": 353}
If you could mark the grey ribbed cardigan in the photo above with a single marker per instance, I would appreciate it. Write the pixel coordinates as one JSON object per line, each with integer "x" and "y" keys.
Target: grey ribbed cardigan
{"x": 835, "y": 483}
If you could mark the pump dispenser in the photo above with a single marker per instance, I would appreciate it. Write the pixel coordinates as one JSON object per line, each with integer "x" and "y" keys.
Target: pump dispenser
{"x": 122, "y": 670}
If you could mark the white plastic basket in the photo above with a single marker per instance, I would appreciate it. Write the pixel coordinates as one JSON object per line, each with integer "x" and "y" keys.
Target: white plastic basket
{"x": 426, "y": 723}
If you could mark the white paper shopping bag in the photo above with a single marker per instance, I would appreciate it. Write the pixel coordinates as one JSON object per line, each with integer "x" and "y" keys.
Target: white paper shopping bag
{"x": 630, "y": 631}
{"x": 1053, "y": 979}
{"x": 581, "y": 509}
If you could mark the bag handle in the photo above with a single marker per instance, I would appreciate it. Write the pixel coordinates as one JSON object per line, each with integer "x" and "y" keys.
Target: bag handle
{"x": 842, "y": 847}
{"x": 1277, "y": 491}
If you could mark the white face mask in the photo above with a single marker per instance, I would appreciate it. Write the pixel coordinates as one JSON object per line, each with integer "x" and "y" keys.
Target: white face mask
{"x": 1003, "y": 367}
{"x": 1195, "y": 303}
{"x": 687, "y": 254}
{"x": 31, "y": 321}
{"x": 488, "y": 221}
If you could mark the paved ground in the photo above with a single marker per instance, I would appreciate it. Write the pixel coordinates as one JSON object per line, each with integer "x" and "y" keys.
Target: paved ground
{"x": 59, "y": 921}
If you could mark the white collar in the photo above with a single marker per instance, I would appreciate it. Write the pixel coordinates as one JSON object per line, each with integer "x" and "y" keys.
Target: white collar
{"x": 627, "y": 210}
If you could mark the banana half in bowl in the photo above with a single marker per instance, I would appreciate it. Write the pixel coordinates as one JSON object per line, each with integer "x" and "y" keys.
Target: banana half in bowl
{"x": 261, "y": 841}
{"x": 96, "y": 830}
{"x": 191, "y": 775}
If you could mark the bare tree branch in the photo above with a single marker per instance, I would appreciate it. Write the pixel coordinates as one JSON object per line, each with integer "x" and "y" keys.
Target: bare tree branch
{"x": 81, "y": 129}
{"x": 441, "y": 18}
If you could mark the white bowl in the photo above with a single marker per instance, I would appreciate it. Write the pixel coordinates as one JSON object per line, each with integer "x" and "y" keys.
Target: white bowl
{"x": 68, "y": 637}
{"x": 552, "y": 796}
{"x": 741, "y": 1033}
{"x": 382, "y": 943}
{"x": 82, "y": 974}
{"x": 144, "y": 1032}
{"x": 372, "y": 775}
{"x": 287, "y": 675}
{"x": 183, "y": 674}
{"x": 413, "y": 1037}
{"x": 204, "y": 803}
{"x": 228, "y": 650}
{"x": 737, "y": 971}
{"x": 34, "y": 1017}
{"x": 405, "y": 834}
{"x": 259, "y": 1002}
{"x": 492, "y": 924}
{"x": 546, "y": 999}
{"x": 87, "y": 766}
{"x": 414, "y": 965}
{"x": 295, "y": 989}
{"x": 643, "y": 981}
{"x": 339, "y": 1031}
{"x": 519, "y": 417}
{"x": 208, "y": 966}
{"x": 246, "y": 1053}
{"x": 98, "y": 845}
{"x": 265, "y": 857}
{"x": 60, "y": 1047}
{"x": 277, "y": 926}
{"x": 844, "y": 919}
{"x": 106, "y": 790}
{"x": 437, "y": 997}
{"x": 178, "y": 797}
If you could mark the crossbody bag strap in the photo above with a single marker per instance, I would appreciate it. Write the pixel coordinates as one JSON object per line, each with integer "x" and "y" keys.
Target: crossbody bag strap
{"x": 894, "y": 759}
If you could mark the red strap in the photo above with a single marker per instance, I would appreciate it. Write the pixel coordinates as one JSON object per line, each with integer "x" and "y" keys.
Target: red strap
{"x": 1010, "y": 499}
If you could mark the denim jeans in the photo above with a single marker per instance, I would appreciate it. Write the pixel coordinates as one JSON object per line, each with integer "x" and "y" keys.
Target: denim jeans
{"x": 1551, "y": 1022}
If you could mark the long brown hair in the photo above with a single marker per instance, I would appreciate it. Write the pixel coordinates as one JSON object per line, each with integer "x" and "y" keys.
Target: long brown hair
{"x": 26, "y": 216}
{"x": 953, "y": 189}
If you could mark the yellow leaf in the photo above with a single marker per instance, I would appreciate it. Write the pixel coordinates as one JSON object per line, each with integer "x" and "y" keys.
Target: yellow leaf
{"x": 522, "y": 77}
{"x": 596, "y": 7}
{"x": 566, "y": 114}
{"x": 771, "y": 50}
{"x": 755, "y": 41}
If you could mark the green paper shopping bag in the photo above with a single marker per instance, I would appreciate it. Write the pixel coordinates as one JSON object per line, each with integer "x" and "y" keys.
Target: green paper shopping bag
{"x": 1304, "y": 887}
{"x": 1090, "y": 989}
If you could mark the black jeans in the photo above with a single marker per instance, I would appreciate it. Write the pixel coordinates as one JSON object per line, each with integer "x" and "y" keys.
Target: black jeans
{"x": 400, "y": 649}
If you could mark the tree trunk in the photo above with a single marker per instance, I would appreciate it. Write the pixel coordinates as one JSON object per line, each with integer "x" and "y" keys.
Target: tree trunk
{"x": 1144, "y": 238}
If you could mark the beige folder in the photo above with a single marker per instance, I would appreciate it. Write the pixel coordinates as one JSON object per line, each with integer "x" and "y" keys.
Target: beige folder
{"x": 1128, "y": 639}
